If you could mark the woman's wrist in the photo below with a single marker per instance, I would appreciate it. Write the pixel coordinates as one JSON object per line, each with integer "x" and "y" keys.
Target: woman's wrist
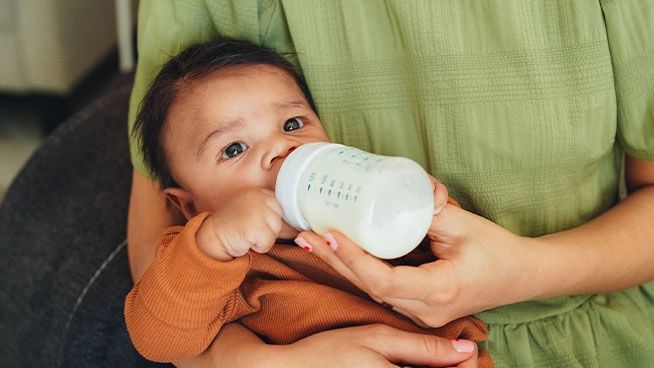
{"x": 250, "y": 352}
{"x": 525, "y": 270}
{"x": 547, "y": 272}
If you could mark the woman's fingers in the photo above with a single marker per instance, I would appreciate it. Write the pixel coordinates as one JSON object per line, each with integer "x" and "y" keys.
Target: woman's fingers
{"x": 440, "y": 195}
{"x": 316, "y": 244}
{"x": 383, "y": 346}
{"x": 420, "y": 350}
{"x": 379, "y": 279}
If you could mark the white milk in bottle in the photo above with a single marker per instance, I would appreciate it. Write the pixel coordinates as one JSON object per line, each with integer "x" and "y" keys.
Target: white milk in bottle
{"x": 384, "y": 204}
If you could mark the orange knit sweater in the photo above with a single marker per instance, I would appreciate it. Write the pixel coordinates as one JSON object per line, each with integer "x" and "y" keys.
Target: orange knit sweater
{"x": 185, "y": 297}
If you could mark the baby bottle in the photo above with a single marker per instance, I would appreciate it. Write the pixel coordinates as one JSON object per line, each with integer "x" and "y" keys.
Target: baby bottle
{"x": 384, "y": 204}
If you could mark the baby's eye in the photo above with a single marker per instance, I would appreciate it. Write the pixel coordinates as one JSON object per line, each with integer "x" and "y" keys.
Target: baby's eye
{"x": 234, "y": 149}
{"x": 293, "y": 124}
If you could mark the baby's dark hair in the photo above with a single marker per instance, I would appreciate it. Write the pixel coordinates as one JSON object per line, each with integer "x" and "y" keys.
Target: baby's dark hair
{"x": 194, "y": 63}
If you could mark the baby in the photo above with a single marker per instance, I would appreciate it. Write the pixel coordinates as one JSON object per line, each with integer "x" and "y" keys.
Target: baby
{"x": 216, "y": 125}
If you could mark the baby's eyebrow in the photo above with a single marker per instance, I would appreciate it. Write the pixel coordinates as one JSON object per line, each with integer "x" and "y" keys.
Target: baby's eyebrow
{"x": 290, "y": 104}
{"x": 225, "y": 127}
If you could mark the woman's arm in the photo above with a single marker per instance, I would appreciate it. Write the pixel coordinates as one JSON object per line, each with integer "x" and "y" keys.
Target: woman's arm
{"x": 482, "y": 266}
{"x": 147, "y": 219}
{"x": 364, "y": 346}
{"x": 612, "y": 252}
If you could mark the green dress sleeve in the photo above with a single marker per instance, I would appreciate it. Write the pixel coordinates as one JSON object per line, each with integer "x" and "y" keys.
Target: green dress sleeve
{"x": 630, "y": 29}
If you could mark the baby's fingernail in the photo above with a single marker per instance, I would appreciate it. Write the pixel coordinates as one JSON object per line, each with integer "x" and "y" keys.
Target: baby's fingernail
{"x": 330, "y": 241}
{"x": 303, "y": 244}
{"x": 437, "y": 211}
{"x": 463, "y": 346}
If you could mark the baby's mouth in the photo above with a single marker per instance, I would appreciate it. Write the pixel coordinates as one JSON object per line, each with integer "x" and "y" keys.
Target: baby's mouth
{"x": 279, "y": 164}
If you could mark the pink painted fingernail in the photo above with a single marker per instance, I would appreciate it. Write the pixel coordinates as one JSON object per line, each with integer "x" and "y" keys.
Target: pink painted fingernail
{"x": 463, "y": 346}
{"x": 303, "y": 244}
{"x": 330, "y": 241}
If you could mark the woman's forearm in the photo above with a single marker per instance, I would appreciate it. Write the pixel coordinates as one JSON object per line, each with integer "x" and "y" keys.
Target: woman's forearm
{"x": 612, "y": 252}
{"x": 147, "y": 219}
{"x": 222, "y": 351}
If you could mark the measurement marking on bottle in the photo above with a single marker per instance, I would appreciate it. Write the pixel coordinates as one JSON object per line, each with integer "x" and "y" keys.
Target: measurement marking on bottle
{"x": 335, "y": 189}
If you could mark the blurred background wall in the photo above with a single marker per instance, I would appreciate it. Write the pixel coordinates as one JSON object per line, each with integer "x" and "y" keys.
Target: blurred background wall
{"x": 55, "y": 56}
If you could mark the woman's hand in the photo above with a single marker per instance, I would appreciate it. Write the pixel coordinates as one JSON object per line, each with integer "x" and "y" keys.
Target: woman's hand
{"x": 360, "y": 347}
{"x": 469, "y": 248}
{"x": 478, "y": 266}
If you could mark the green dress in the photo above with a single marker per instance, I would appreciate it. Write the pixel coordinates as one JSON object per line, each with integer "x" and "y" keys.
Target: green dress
{"x": 522, "y": 108}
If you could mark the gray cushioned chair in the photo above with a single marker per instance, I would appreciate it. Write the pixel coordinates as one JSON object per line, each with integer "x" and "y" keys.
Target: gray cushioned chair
{"x": 63, "y": 261}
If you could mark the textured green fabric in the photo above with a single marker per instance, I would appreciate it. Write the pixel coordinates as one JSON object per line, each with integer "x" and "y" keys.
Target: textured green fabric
{"x": 522, "y": 108}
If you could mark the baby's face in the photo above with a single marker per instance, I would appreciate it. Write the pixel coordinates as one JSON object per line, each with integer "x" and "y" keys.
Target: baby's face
{"x": 234, "y": 129}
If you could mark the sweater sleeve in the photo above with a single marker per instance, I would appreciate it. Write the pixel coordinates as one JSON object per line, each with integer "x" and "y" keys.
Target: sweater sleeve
{"x": 184, "y": 298}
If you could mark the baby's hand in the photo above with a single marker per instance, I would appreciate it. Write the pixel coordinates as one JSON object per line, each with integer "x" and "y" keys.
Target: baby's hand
{"x": 251, "y": 219}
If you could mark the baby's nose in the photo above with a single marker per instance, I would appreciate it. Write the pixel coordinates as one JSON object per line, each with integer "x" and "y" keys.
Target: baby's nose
{"x": 277, "y": 155}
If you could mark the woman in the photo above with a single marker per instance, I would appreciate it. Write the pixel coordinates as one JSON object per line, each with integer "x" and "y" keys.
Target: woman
{"x": 523, "y": 110}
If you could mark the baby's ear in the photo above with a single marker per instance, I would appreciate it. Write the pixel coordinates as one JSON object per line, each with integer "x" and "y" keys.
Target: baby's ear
{"x": 183, "y": 200}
